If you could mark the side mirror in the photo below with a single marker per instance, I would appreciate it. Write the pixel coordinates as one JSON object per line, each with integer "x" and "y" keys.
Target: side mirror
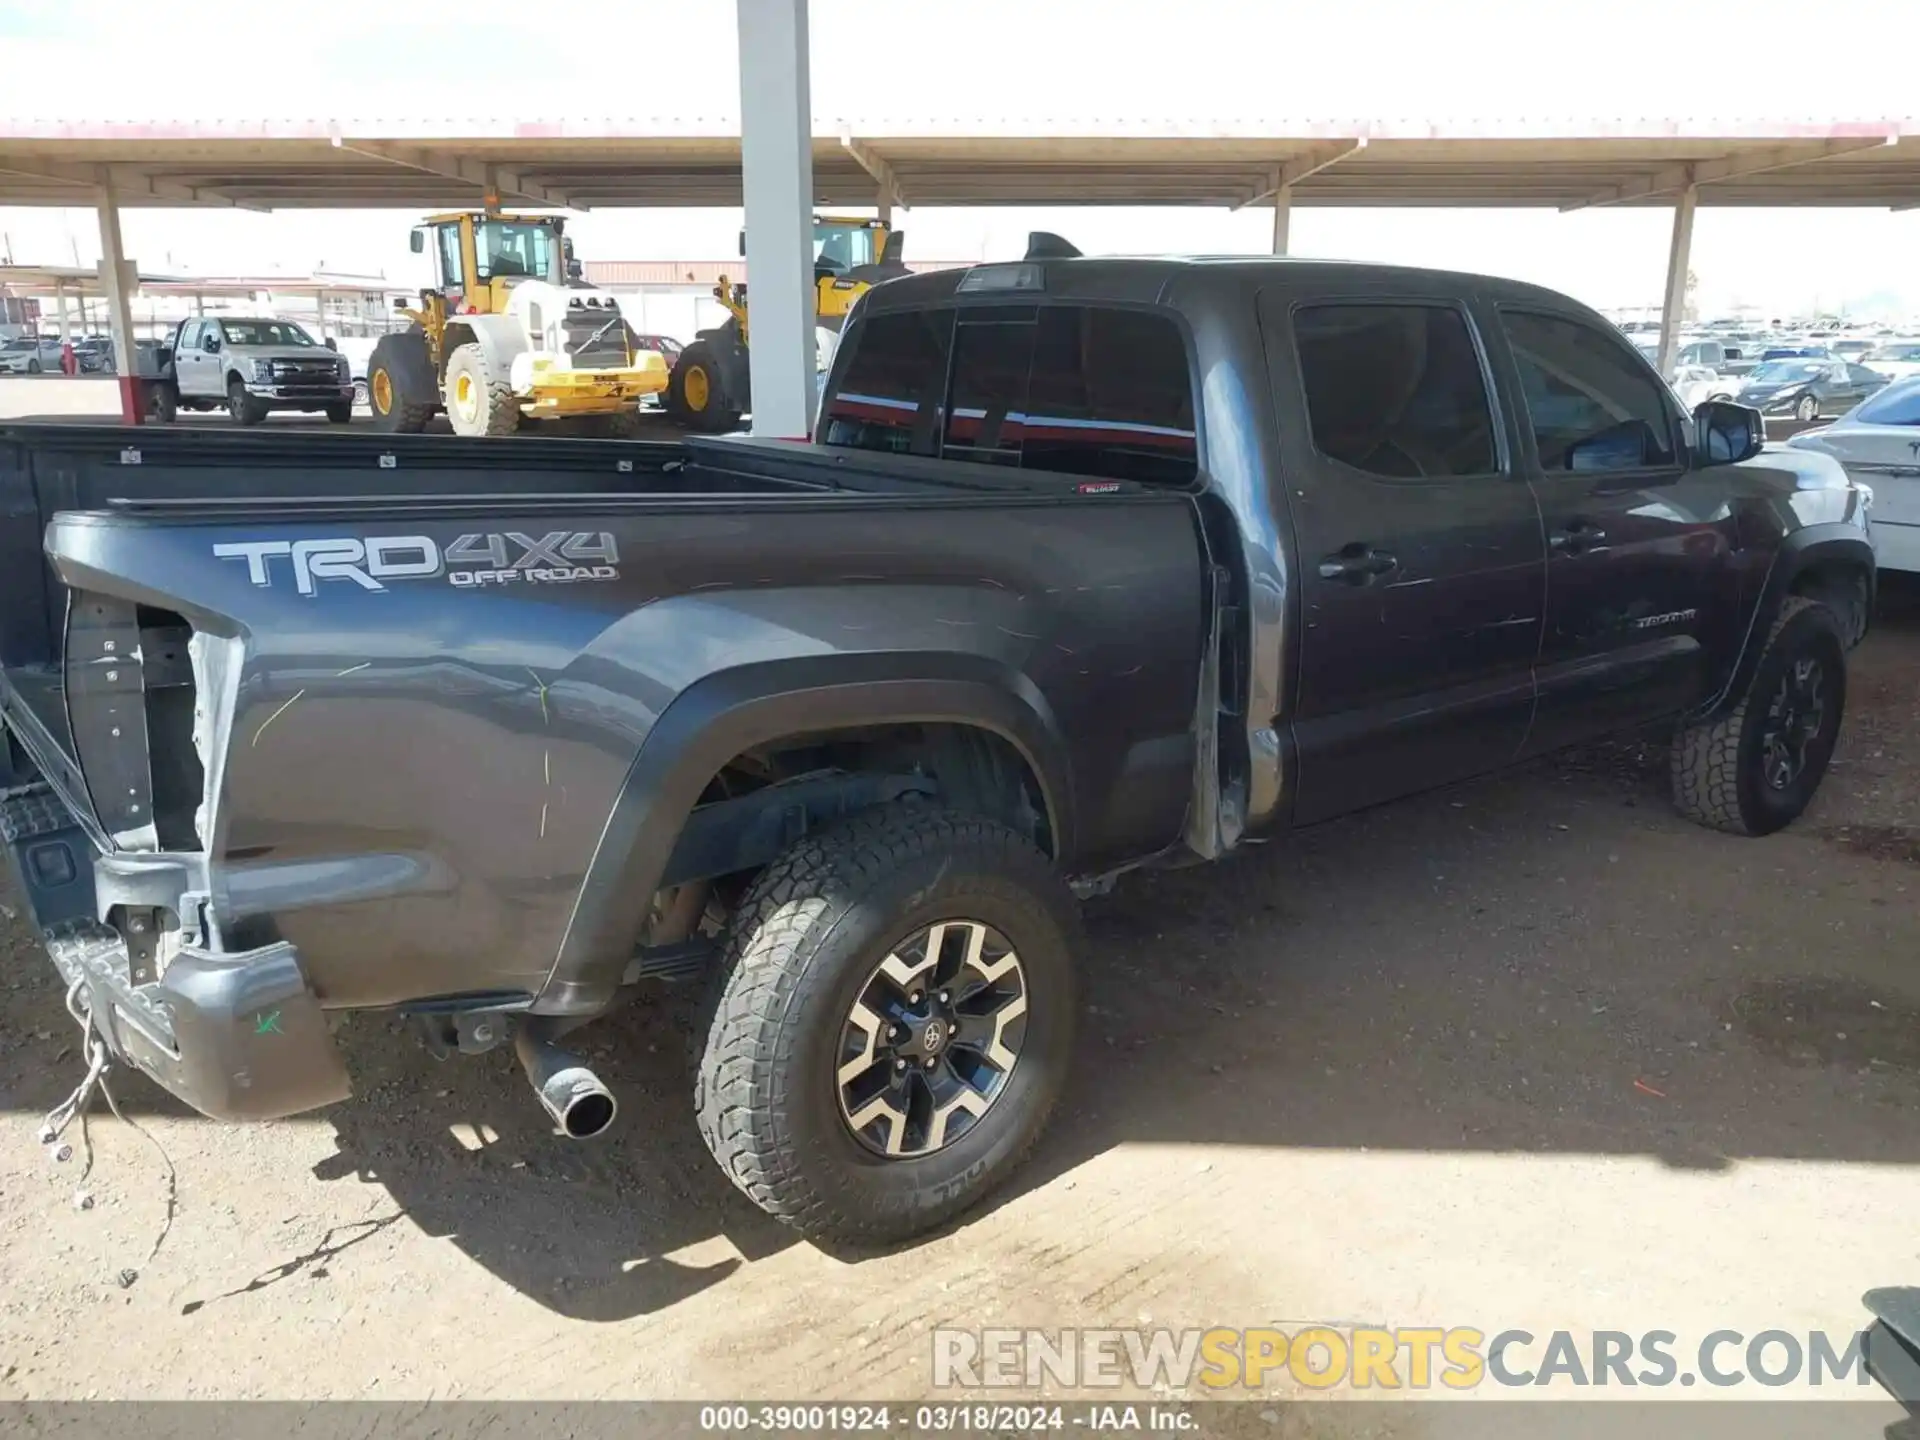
{"x": 417, "y": 242}
{"x": 210, "y": 344}
{"x": 1725, "y": 433}
{"x": 896, "y": 247}
{"x": 576, "y": 270}
{"x": 743, "y": 244}
{"x": 331, "y": 344}
{"x": 400, "y": 302}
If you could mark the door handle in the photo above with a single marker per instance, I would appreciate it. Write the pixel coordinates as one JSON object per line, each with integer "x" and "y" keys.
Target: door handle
{"x": 1579, "y": 537}
{"x": 1357, "y": 564}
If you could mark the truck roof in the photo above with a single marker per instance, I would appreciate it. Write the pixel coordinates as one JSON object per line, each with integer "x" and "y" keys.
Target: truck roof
{"x": 1158, "y": 279}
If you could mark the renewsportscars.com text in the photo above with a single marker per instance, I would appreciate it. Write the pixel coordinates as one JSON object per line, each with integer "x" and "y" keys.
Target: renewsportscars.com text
{"x": 1222, "y": 1360}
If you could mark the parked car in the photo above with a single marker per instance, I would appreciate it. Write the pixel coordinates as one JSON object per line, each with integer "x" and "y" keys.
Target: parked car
{"x": 254, "y": 366}
{"x": 1698, "y": 384}
{"x": 1807, "y": 389}
{"x": 1854, "y": 349}
{"x": 1092, "y": 565}
{"x": 30, "y": 355}
{"x": 1895, "y": 359}
{"x": 1879, "y": 444}
{"x": 1803, "y": 351}
{"x": 94, "y": 354}
{"x": 358, "y": 350}
{"x": 664, "y": 344}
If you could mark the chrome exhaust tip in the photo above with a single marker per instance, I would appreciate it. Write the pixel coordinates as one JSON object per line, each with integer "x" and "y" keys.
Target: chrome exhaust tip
{"x": 580, "y": 1104}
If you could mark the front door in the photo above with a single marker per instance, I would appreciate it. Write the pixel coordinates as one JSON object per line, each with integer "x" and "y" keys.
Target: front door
{"x": 1639, "y": 548}
{"x": 190, "y": 361}
{"x": 1419, "y": 563}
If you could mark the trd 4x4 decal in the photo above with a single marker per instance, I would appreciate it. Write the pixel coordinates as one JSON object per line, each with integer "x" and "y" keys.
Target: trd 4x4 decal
{"x": 559, "y": 557}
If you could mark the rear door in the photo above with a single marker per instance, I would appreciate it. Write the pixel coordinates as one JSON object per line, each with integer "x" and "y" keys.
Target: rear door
{"x": 1639, "y": 548}
{"x": 1419, "y": 557}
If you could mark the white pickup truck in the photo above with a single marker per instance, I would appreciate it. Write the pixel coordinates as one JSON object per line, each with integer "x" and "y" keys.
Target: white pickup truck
{"x": 251, "y": 367}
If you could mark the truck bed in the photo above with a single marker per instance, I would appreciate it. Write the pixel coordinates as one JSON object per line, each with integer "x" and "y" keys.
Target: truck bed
{"x": 455, "y": 745}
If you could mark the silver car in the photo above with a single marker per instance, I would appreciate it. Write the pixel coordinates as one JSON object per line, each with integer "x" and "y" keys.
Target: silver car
{"x": 251, "y": 367}
{"x": 1879, "y": 444}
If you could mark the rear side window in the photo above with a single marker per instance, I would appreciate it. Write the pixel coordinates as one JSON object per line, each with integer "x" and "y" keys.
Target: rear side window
{"x": 1592, "y": 404}
{"x": 1395, "y": 390}
{"x": 888, "y": 396}
{"x": 1073, "y": 389}
{"x": 1896, "y": 405}
{"x": 1111, "y": 395}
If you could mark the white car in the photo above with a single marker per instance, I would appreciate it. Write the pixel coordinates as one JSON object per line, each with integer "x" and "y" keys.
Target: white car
{"x": 1697, "y": 383}
{"x": 1896, "y": 359}
{"x": 1878, "y": 443}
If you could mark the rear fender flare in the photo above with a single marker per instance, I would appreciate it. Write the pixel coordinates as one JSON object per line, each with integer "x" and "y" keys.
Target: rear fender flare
{"x": 718, "y": 717}
{"x": 1800, "y": 551}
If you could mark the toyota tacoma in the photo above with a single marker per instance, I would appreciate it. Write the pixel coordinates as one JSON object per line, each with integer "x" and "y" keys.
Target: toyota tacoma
{"x": 1091, "y": 565}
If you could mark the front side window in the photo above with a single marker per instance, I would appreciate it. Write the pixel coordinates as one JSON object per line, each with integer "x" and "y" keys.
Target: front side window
{"x": 453, "y": 275}
{"x": 1395, "y": 390}
{"x": 1591, "y": 405}
{"x": 265, "y": 332}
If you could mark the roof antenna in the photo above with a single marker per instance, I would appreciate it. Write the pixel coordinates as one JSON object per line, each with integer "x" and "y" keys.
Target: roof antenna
{"x": 1045, "y": 245}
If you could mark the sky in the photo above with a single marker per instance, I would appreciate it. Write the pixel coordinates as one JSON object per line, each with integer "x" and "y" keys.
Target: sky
{"x": 1005, "y": 65}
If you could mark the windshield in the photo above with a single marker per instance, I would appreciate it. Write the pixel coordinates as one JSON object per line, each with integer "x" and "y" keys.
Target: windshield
{"x": 21, "y": 344}
{"x": 521, "y": 249}
{"x": 1892, "y": 352}
{"x": 1779, "y": 371}
{"x": 264, "y": 332}
{"x": 842, "y": 246}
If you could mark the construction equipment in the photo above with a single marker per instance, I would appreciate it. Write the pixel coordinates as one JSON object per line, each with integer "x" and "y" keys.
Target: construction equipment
{"x": 510, "y": 334}
{"x": 709, "y": 388}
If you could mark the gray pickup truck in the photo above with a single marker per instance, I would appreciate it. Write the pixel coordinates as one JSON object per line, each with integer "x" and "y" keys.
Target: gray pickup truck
{"x": 1092, "y": 565}
{"x": 250, "y": 368}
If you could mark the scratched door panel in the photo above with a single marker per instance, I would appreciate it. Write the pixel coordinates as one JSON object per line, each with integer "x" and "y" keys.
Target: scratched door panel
{"x": 1419, "y": 553}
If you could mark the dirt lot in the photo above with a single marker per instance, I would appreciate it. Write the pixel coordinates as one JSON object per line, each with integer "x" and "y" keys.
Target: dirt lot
{"x": 1529, "y": 1053}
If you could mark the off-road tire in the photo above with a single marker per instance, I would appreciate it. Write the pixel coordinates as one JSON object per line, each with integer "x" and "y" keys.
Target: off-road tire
{"x": 805, "y": 938}
{"x": 719, "y": 414}
{"x": 407, "y": 411}
{"x": 1716, "y": 765}
{"x": 163, "y": 403}
{"x": 244, "y": 409}
{"x": 498, "y": 409}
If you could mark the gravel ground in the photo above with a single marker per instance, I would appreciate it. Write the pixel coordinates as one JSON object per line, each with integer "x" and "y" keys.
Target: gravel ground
{"x": 1532, "y": 1052}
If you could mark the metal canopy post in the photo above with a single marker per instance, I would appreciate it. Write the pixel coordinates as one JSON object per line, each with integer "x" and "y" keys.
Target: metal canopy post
{"x": 60, "y": 307}
{"x": 776, "y": 162}
{"x": 1282, "y": 218}
{"x": 114, "y": 280}
{"x": 1673, "y": 304}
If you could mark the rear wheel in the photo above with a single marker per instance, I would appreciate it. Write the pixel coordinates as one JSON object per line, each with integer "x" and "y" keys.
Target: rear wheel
{"x": 478, "y": 401}
{"x": 697, "y": 392}
{"x": 399, "y": 384}
{"x": 244, "y": 409}
{"x": 1807, "y": 409}
{"x": 33, "y": 367}
{"x": 163, "y": 403}
{"x": 360, "y": 396}
{"x": 892, "y": 1024}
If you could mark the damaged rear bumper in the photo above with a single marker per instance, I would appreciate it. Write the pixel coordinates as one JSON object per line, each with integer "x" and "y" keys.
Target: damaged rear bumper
{"x": 238, "y": 1036}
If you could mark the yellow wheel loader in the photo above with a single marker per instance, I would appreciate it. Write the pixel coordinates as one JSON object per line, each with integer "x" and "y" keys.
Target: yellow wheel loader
{"x": 509, "y": 335}
{"x": 709, "y": 390}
